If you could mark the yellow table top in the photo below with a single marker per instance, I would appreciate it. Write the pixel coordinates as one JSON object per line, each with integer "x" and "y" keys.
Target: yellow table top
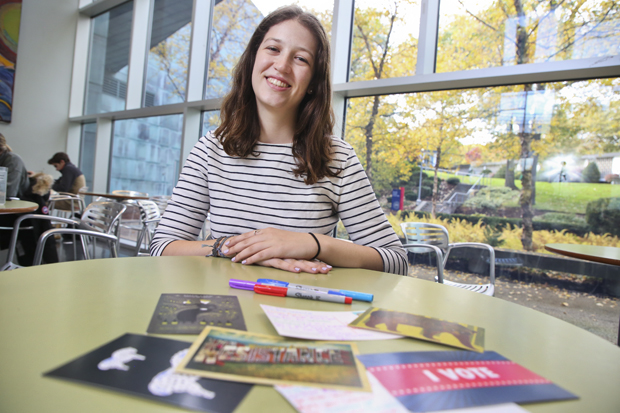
{"x": 18, "y": 207}
{"x": 54, "y": 313}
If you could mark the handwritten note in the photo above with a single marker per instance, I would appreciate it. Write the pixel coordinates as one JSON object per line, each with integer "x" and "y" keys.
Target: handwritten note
{"x": 320, "y": 325}
{"x": 313, "y": 400}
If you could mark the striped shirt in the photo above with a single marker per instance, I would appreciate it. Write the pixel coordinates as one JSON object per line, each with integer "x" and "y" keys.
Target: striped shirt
{"x": 260, "y": 191}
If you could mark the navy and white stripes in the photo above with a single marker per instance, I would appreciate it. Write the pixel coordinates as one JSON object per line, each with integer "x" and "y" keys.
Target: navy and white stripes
{"x": 244, "y": 194}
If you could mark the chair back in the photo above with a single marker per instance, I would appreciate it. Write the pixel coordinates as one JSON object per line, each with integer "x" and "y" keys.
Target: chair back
{"x": 149, "y": 210}
{"x": 162, "y": 202}
{"x": 102, "y": 217}
{"x": 423, "y": 233}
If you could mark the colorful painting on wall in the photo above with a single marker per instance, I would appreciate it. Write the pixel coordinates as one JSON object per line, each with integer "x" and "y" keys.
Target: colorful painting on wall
{"x": 10, "y": 16}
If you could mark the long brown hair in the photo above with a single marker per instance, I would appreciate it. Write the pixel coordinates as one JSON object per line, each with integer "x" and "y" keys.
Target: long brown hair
{"x": 240, "y": 128}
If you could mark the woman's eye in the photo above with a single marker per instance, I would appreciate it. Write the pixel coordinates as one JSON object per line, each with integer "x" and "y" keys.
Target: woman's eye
{"x": 303, "y": 59}
{"x": 272, "y": 48}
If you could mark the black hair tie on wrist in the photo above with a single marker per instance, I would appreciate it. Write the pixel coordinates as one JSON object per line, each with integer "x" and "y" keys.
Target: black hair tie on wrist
{"x": 317, "y": 244}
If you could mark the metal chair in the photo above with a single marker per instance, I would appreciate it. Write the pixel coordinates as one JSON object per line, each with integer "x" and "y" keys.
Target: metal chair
{"x": 162, "y": 202}
{"x": 65, "y": 204}
{"x": 421, "y": 237}
{"x": 99, "y": 220}
{"x": 149, "y": 217}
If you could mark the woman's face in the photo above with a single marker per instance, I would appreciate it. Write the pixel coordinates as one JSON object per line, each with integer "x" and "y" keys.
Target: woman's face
{"x": 284, "y": 67}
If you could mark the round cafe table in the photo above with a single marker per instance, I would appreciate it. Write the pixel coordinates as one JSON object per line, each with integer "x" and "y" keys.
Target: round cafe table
{"x": 54, "y": 313}
{"x": 18, "y": 207}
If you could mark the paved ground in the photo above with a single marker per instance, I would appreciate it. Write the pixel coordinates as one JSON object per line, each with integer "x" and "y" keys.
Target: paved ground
{"x": 595, "y": 312}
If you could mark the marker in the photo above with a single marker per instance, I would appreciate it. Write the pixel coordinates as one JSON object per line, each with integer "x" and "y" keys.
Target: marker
{"x": 296, "y": 293}
{"x": 249, "y": 285}
{"x": 353, "y": 294}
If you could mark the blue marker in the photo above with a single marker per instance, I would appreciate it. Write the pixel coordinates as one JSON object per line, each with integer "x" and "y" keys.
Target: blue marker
{"x": 353, "y": 294}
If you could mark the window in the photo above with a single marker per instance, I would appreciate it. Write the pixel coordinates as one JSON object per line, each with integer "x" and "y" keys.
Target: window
{"x": 491, "y": 145}
{"x": 166, "y": 73}
{"x": 146, "y": 154}
{"x": 385, "y": 39}
{"x": 474, "y": 35}
{"x": 210, "y": 121}
{"x": 108, "y": 60}
{"x": 87, "y": 152}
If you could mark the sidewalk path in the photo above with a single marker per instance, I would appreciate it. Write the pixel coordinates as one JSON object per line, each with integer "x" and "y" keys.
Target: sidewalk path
{"x": 593, "y": 312}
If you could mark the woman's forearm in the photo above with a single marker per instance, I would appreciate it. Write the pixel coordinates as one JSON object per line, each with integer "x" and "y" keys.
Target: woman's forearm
{"x": 191, "y": 248}
{"x": 341, "y": 253}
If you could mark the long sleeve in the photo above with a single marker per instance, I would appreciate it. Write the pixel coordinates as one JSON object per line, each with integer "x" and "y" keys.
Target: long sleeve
{"x": 364, "y": 218}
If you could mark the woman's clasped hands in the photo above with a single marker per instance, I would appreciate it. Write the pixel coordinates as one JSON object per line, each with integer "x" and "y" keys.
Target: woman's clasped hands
{"x": 270, "y": 247}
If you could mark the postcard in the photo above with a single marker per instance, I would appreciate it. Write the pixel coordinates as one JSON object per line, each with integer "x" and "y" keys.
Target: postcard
{"x": 191, "y": 313}
{"x": 144, "y": 366}
{"x": 426, "y": 381}
{"x": 256, "y": 358}
{"x": 423, "y": 328}
{"x": 313, "y": 400}
{"x": 320, "y": 325}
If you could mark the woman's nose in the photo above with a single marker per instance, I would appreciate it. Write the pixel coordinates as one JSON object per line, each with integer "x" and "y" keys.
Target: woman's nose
{"x": 282, "y": 64}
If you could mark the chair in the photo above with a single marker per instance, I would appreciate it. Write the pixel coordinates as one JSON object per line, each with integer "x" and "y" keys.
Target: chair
{"x": 99, "y": 220}
{"x": 421, "y": 237}
{"x": 65, "y": 205}
{"x": 162, "y": 202}
{"x": 149, "y": 218}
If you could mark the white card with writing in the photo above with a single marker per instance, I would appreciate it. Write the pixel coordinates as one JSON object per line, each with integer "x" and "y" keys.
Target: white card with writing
{"x": 320, "y": 325}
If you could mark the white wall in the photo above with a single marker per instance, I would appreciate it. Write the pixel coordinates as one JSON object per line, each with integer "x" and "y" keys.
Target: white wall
{"x": 40, "y": 123}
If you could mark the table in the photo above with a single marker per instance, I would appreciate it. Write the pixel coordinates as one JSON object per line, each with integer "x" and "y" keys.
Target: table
{"x": 18, "y": 207}
{"x": 114, "y": 196}
{"x": 54, "y": 313}
{"x": 605, "y": 255}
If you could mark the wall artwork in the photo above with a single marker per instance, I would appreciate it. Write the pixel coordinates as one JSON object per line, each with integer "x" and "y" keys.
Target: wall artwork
{"x": 10, "y": 16}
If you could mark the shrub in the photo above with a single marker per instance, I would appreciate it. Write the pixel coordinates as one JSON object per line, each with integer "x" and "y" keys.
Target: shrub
{"x": 492, "y": 197}
{"x": 603, "y": 215}
{"x": 591, "y": 173}
{"x": 453, "y": 181}
{"x": 560, "y": 218}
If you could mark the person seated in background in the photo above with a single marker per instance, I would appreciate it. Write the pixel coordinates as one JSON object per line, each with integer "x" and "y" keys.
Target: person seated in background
{"x": 273, "y": 177}
{"x": 17, "y": 178}
{"x": 35, "y": 188}
{"x": 72, "y": 179}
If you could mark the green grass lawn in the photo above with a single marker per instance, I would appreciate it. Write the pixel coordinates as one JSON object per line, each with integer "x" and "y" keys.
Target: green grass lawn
{"x": 568, "y": 197}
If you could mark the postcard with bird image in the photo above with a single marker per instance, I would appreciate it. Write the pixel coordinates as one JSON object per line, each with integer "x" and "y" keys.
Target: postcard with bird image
{"x": 235, "y": 355}
{"x": 449, "y": 333}
{"x": 191, "y": 313}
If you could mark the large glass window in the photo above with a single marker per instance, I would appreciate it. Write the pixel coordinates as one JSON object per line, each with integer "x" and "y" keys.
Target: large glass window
{"x": 234, "y": 21}
{"x": 210, "y": 121}
{"x": 492, "y": 33}
{"x": 146, "y": 154}
{"x": 548, "y": 148}
{"x": 87, "y": 152}
{"x": 166, "y": 73}
{"x": 385, "y": 39}
{"x": 106, "y": 90}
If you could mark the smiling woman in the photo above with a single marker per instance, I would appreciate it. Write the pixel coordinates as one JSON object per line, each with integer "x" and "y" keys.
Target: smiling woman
{"x": 272, "y": 177}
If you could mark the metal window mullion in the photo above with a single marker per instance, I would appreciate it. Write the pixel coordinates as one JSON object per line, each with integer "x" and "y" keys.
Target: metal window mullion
{"x": 427, "y": 37}
{"x": 342, "y": 29}
{"x": 80, "y": 65}
{"x": 103, "y": 148}
{"x": 140, "y": 33}
{"x": 199, "y": 49}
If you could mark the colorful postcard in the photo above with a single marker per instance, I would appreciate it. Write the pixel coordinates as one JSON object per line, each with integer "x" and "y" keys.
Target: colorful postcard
{"x": 256, "y": 358}
{"x": 320, "y": 325}
{"x": 314, "y": 400}
{"x": 423, "y": 328}
{"x": 144, "y": 366}
{"x": 426, "y": 381}
{"x": 191, "y": 313}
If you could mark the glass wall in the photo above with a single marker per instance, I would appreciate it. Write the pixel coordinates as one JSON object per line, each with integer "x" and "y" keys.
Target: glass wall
{"x": 166, "y": 73}
{"x": 234, "y": 21}
{"x": 106, "y": 89}
{"x": 87, "y": 152}
{"x": 491, "y": 33}
{"x": 146, "y": 154}
{"x": 210, "y": 121}
{"x": 385, "y": 39}
{"x": 546, "y": 147}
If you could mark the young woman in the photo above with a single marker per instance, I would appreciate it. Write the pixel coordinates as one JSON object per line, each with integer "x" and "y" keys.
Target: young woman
{"x": 272, "y": 176}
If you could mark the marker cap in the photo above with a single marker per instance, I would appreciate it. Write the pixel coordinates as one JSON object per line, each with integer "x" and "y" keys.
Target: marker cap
{"x": 242, "y": 284}
{"x": 358, "y": 296}
{"x": 268, "y": 281}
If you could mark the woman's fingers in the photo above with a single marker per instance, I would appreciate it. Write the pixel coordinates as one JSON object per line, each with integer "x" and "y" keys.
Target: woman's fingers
{"x": 291, "y": 265}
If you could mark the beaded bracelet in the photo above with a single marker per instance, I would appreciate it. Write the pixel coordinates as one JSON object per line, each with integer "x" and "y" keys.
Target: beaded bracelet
{"x": 216, "y": 250}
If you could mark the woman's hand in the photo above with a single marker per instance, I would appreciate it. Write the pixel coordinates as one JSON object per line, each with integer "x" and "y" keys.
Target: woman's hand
{"x": 265, "y": 244}
{"x": 292, "y": 265}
